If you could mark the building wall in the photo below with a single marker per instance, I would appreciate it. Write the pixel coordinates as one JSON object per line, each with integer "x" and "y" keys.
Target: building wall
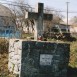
{"x": 8, "y": 28}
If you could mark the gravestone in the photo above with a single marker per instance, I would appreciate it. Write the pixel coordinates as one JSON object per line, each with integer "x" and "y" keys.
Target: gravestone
{"x": 38, "y": 58}
{"x": 39, "y": 18}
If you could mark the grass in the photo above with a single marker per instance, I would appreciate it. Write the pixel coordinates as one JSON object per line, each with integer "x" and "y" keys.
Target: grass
{"x": 26, "y": 35}
{"x": 72, "y": 70}
{"x": 4, "y": 59}
{"x": 4, "y": 66}
{"x": 73, "y": 54}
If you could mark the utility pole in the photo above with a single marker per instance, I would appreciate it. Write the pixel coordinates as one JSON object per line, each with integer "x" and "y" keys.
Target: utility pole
{"x": 67, "y": 15}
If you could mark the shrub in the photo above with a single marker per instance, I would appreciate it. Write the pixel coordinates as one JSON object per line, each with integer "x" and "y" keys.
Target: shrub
{"x": 73, "y": 54}
{"x": 4, "y": 46}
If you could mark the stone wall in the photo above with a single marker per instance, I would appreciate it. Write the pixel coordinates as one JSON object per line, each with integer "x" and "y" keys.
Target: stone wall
{"x": 38, "y": 59}
{"x": 15, "y": 47}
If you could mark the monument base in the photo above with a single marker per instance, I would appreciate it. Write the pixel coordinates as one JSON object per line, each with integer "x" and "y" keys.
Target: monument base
{"x": 38, "y": 59}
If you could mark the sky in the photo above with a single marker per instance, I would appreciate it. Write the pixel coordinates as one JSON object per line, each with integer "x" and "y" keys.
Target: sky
{"x": 56, "y": 4}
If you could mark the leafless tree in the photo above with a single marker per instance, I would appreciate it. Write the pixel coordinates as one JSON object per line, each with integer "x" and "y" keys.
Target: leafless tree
{"x": 19, "y": 13}
{"x": 57, "y": 17}
{"x": 73, "y": 20}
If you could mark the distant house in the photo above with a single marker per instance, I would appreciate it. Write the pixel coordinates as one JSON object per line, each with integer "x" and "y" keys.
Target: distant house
{"x": 73, "y": 30}
{"x": 61, "y": 27}
{"x": 7, "y": 27}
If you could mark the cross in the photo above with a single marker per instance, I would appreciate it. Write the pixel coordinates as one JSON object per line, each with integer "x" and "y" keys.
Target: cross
{"x": 38, "y": 17}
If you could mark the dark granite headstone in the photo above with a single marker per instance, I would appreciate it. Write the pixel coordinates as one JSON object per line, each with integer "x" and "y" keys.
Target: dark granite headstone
{"x": 44, "y": 59}
{"x": 38, "y": 59}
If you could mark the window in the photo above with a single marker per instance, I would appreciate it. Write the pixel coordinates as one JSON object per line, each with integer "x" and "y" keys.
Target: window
{"x": 7, "y": 31}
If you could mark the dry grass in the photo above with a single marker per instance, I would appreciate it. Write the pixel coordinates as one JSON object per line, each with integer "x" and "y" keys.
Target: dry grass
{"x": 4, "y": 66}
{"x": 4, "y": 59}
{"x": 73, "y": 54}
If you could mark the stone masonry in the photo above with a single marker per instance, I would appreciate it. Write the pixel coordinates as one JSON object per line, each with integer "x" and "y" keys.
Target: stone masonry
{"x": 38, "y": 59}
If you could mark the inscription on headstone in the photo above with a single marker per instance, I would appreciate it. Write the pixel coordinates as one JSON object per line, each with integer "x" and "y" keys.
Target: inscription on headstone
{"x": 45, "y": 59}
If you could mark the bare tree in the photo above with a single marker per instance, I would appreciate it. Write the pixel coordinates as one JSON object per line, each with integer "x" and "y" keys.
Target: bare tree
{"x": 19, "y": 13}
{"x": 18, "y": 9}
{"x": 57, "y": 17}
{"x": 73, "y": 20}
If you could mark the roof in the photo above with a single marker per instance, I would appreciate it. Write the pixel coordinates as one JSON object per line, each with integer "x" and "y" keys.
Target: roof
{"x": 5, "y": 11}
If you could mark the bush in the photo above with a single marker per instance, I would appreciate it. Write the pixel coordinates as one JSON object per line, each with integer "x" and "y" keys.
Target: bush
{"x": 4, "y": 44}
{"x": 73, "y": 54}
